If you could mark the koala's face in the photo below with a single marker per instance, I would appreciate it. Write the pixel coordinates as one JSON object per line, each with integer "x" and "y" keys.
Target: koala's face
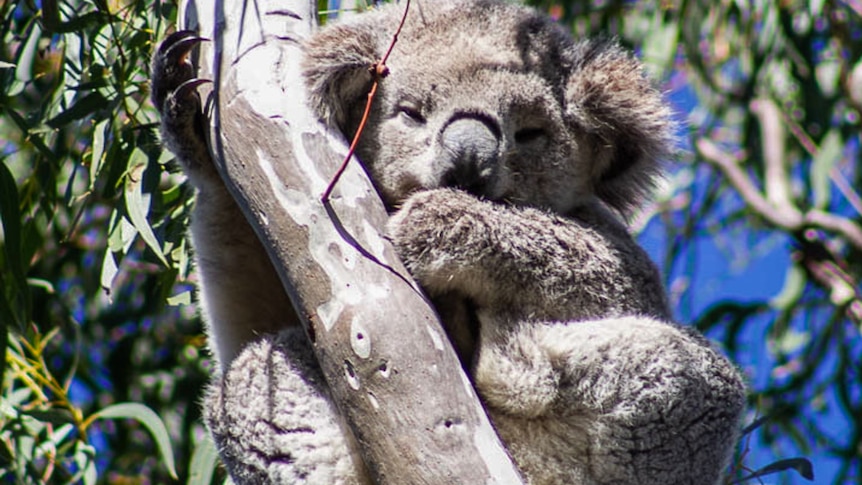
{"x": 492, "y": 99}
{"x": 482, "y": 125}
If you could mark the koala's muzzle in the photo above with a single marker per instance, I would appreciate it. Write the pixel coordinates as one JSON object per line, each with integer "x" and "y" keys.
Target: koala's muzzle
{"x": 470, "y": 153}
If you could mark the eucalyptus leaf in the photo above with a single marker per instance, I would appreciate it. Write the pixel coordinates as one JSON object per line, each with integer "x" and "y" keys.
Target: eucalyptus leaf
{"x": 150, "y": 420}
{"x": 659, "y": 47}
{"x": 15, "y": 296}
{"x": 800, "y": 465}
{"x": 828, "y": 154}
{"x": 184, "y": 298}
{"x": 828, "y": 74}
{"x": 203, "y": 463}
{"x": 82, "y": 108}
{"x": 25, "y": 60}
{"x": 109, "y": 271}
{"x": 789, "y": 342}
{"x": 98, "y": 150}
{"x": 85, "y": 459}
{"x": 138, "y": 205}
{"x": 794, "y": 283}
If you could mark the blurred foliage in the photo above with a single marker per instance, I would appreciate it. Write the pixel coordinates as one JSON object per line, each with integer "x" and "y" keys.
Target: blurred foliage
{"x": 101, "y": 378}
{"x": 104, "y": 361}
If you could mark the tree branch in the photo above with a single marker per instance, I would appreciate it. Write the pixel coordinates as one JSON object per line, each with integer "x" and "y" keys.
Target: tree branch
{"x": 786, "y": 217}
{"x": 837, "y": 224}
{"x": 772, "y": 135}
{"x": 382, "y": 350}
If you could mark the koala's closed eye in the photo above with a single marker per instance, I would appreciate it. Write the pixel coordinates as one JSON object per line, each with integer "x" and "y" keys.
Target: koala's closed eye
{"x": 530, "y": 135}
{"x": 410, "y": 112}
{"x": 532, "y": 123}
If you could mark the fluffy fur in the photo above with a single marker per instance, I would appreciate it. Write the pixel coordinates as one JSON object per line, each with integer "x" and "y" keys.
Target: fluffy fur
{"x": 502, "y": 148}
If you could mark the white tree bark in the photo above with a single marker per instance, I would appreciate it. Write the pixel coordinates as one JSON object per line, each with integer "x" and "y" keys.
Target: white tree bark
{"x": 379, "y": 343}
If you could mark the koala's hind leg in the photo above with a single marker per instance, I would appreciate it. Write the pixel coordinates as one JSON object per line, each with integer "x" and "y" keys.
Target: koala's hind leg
{"x": 274, "y": 421}
{"x": 240, "y": 292}
{"x": 627, "y": 400}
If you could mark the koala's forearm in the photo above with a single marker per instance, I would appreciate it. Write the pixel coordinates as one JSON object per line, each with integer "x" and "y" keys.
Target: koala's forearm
{"x": 523, "y": 259}
{"x": 240, "y": 292}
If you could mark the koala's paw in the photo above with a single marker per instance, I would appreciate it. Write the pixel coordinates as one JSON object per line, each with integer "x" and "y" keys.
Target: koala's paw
{"x": 441, "y": 236}
{"x": 174, "y": 93}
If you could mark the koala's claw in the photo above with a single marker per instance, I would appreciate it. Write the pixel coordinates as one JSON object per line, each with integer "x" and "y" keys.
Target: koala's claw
{"x": 172, "y": 69}
{"x": 174, "y": 93}
{"x": 187, "y": 87}
{"x": 178, "y": 45}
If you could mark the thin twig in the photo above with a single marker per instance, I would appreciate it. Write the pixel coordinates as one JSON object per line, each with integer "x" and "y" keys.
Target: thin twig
{"x": 378, "y": 71}
{"x": 846, "y": 189}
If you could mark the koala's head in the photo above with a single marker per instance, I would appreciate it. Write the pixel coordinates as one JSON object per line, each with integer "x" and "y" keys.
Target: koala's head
{"x": 494, "y": 99}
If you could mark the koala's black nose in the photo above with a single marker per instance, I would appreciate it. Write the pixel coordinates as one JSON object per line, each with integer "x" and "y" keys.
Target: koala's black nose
{"x": 470, "y": 153}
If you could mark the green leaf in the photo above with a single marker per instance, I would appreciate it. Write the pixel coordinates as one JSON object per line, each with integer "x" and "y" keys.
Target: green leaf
{"x": 14, "y": 290}
{"x": 85, "y": 460}
{"x": 45, "y": 285}
{"x": 203, "y": 463}
{"x": 59, "y": 435}
{"x": 150, "y": 420}
{"x": 815, "y": 7}
{"x": 98, "y": 150}
{"x": 800, "y": 465}
{"x": 184, "y": 298}
{"x": 137, "y": 205}
{"x": 54, "y": 416}
{"x": 83, "y": 107}
{"x": 828, "y": 155}
{"x": 121, "y": 233}
{"x": 794, "y": 283}
{"x": 659, "y": 46}
{"x": 83, "y": 22}
{"x": 828, "y": 75}
{"x": 26, "y": 56}
{"x": 9, "y": 406}
{"x": 789, "y": 342}
{"x": 36, "y": 140}
{"x": 109, "y": 271}
{"x": 26, "y": 446}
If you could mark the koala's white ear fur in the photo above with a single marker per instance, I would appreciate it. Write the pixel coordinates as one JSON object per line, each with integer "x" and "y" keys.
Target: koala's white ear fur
{"x": 609, "y": 97}
{"x": 336, "y": 67}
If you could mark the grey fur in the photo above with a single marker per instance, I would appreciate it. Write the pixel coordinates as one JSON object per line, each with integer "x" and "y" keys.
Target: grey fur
{"x": 498, "y": 143}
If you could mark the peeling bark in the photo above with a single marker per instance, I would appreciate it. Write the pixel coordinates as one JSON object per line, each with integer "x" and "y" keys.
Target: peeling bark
{"x": 380, "y": 345}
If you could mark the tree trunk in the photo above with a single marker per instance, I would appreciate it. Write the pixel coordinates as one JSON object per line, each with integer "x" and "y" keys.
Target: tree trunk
{"x": 380, "y": 345}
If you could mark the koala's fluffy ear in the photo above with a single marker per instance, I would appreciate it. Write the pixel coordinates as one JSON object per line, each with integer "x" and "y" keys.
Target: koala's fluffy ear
{"x": 609, "y": 97}
{"x": 336, "y": 68}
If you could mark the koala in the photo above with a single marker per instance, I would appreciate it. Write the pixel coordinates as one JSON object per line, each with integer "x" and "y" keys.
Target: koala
{"x": 508, "y": 155}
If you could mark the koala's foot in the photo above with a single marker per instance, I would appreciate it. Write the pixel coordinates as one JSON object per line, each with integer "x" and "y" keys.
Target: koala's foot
{"x": 273, "y": 419}
{"x": 174, "y": 93}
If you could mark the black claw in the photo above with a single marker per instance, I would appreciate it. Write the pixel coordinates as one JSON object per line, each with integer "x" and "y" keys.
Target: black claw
{"x": 188, "y": 86}
{"x": 173, "y": 74}
{"x": 177, "y": 46}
